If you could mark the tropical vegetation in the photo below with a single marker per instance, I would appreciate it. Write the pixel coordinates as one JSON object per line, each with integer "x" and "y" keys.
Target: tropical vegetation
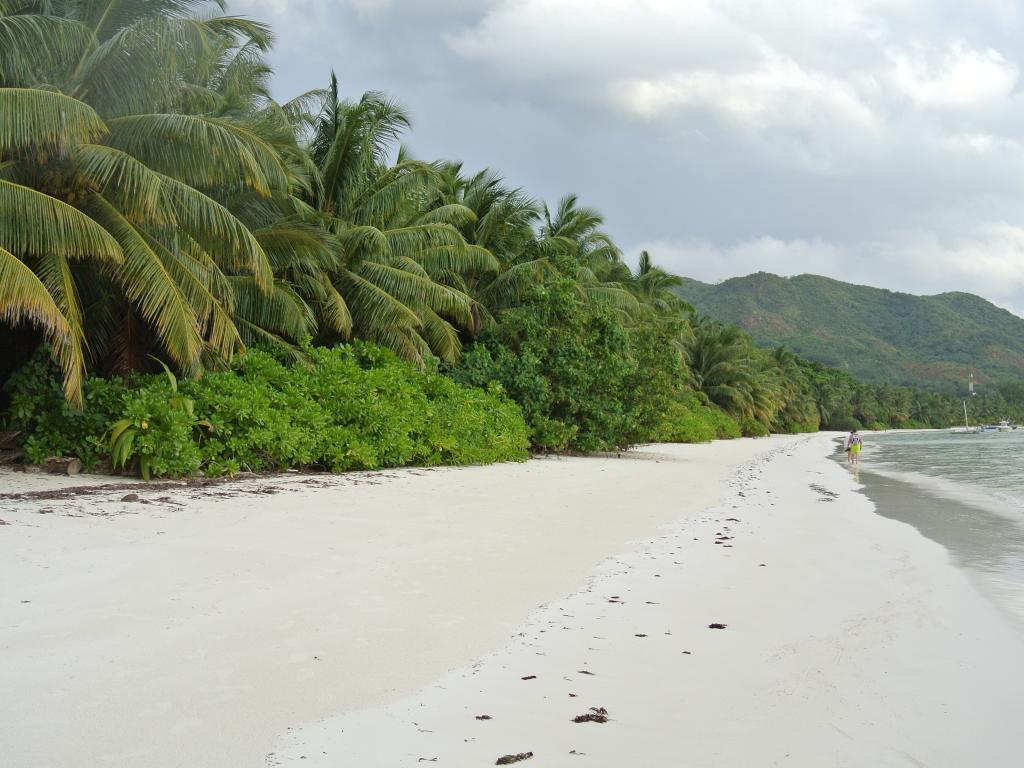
{"x": 351, "y": 407}
{"x": 195, "y": 277}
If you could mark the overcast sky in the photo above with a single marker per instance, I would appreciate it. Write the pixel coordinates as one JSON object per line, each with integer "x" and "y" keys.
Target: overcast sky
{"x": 878, "y": 142}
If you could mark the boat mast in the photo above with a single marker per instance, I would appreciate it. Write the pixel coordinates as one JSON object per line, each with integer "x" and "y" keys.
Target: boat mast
{"x": 970, "y": 393}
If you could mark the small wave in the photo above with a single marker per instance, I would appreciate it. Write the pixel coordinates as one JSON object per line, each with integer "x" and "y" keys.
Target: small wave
{"x": 1000, "y": 502}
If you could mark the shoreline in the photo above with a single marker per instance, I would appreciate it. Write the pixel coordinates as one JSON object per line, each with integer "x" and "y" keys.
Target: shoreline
{"x": 980, "y": 537}
{"x": 367, "y": 619}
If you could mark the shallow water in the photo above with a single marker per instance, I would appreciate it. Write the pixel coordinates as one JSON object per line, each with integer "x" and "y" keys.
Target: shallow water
{"x": 965, "y": 492}
{"x": 988, "y": 464}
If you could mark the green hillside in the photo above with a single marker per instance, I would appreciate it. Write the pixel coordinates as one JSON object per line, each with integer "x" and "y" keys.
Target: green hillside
{"x": 874, "y": 334}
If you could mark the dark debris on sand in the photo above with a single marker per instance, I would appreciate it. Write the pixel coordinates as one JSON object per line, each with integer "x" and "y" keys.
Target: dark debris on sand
{"x": 509, "y": 759}
{"x": 595, "y": 715}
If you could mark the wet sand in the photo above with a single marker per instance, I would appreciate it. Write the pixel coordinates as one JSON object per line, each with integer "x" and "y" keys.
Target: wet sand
{"x": 983, "y": 537}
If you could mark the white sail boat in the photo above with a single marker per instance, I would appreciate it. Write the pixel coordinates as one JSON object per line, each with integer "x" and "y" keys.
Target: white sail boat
{"x": 966, "y": 429}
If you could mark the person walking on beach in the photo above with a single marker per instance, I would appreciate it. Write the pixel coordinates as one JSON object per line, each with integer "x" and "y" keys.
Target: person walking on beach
{"x": 853, "y": 444}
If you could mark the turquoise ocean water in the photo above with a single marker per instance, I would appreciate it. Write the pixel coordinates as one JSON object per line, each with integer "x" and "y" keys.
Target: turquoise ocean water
{"x": 965, "y": 492}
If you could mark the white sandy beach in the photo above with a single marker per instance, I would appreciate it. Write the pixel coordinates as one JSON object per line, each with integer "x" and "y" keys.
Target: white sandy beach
{"x": 366, "y": 620}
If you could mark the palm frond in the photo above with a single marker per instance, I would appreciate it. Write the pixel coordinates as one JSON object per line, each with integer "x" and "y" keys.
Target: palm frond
{"x": 200, "y": 151}
{"x": 54, "y": 271}
{"x": 43, "y": 119}
{"x": 280, "y": 311}
{"x": 330, "y": 306}
{"x": 458, "y": 258}
{"x": 440, "y": 335}
{"x": 34, "y": 223}
{"x": 373, "y": 306}
{"x": 24, "y": 298}
{"x": 151, "y": 289}
{"x": 453, "y": 214}
{"x": 614, "y": 295}
{"x": 35, "y": 43}
{"x": 412, "y": 289}
{"x": 511, "y": 285}
{"x": 117, "y": 174}
{"x": 217, "y": 230}
{"x": 207, "y": 291}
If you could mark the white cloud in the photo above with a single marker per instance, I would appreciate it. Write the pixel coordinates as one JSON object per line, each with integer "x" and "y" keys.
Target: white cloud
{"x": 952, "y": 76}
{"x": 819, "y": 85}
{"x": 776, "y": 92}
{"x": 556, "y": 41}
{"x": 979, "y": 143}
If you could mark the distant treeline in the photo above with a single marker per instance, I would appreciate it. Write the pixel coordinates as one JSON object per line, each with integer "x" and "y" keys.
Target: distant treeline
{"x": 844, "y": 402}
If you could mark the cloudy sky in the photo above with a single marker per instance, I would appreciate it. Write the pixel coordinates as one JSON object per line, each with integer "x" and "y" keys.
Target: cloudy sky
{"x": 879, "y": 141}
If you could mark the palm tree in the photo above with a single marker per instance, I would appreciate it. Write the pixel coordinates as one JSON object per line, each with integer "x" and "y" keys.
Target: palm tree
{"x": 504, "y": 223}
{"x": 653, "y": 286}
{"x": 114, "y": 156}
{"x": 721, "y": 365}
{"x": 573, "y": 237}
{"x": 796, "y": 402}
{"x": 391, "y": 272}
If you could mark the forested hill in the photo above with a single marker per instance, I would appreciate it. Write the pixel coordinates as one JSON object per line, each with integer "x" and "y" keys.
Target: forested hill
{"x": 874, "y": 334}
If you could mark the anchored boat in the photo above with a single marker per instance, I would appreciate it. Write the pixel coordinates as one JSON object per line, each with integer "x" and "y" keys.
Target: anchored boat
{"x": 967, "y": 429}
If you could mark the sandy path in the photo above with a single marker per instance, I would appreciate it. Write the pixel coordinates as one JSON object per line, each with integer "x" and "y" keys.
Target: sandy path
{"x": 193, "y": 632}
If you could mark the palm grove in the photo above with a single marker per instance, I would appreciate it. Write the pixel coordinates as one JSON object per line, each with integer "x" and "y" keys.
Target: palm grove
{"x": 195, "y": 276}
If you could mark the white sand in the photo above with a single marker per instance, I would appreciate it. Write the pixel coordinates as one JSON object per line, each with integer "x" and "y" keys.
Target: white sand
{"x": 338, "y": 625}
{"x": 194, "y": 632}
{"x": 856, "y": 644}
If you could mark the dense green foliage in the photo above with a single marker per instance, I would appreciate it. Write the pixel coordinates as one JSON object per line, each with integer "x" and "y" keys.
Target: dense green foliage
{"x": 37, "y": 406}
{"x": 585, "y": 381}
{"x": 688, "y": 420}
{"x": 326, "y": 298}
{"x": 357, "y": 407}
{"x": 933, "y": 342}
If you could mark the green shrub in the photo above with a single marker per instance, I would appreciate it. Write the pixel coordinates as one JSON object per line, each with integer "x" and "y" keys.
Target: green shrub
{"x": 798, "y": 427}
{"x": 352, "y": 407}
{"x": 355, "y": 407}
{"x": 158, "y": 430}
{"x": 685, "y": 424}
{"x": 54, "y": 428}
{"x": 688, "y": 420}
{"x": 725, "y": 426}
{"x": 653, "y": 387}
{"x": 754, "y": 428}
{"x": 567, "y": 362}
